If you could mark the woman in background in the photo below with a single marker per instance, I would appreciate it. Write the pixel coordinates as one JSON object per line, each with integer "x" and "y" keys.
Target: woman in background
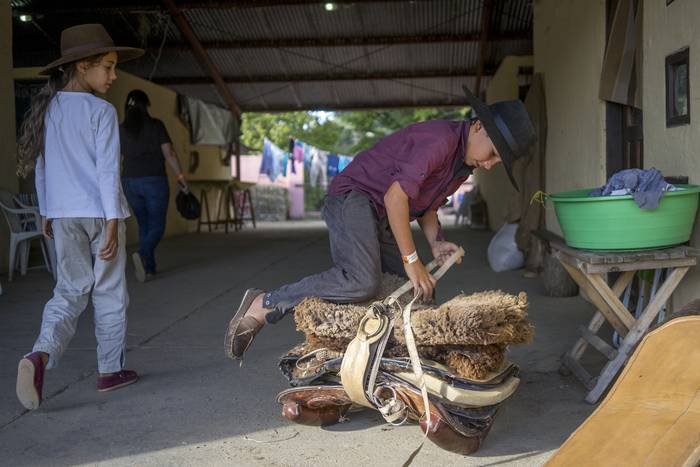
{"x": 145, "y": 147}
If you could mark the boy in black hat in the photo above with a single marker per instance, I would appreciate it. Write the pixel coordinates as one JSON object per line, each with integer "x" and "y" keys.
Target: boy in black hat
{"x": 405, "y": 176}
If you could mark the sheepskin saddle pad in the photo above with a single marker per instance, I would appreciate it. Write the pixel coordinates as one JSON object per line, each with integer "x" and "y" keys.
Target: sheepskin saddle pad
{"x": 468, "y": 334}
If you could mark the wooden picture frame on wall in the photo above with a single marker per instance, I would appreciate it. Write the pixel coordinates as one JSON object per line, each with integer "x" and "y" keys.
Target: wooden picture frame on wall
{"x": 678, "y": 88}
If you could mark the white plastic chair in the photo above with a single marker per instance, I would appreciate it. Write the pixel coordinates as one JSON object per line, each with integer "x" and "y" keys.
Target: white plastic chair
{"x": 25, "y": 225}
{"x": 30, "y": 201}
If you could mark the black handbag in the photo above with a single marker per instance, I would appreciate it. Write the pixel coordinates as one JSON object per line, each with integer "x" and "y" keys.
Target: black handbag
{"x": 188, "y": 205}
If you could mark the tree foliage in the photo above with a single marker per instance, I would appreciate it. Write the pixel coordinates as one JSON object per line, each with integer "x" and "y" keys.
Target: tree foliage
{"x": 340, "y": 132}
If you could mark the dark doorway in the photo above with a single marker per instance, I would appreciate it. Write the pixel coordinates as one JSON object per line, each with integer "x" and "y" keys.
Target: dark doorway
{"x": 625, "y": 145}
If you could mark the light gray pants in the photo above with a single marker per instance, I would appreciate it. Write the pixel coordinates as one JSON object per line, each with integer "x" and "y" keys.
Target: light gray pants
{"x": 80, "y": 271}
{"x": 362, "y": 247}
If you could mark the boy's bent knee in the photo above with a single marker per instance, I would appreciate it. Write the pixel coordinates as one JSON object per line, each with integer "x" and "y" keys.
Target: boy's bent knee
{"x": 366, "y": 288}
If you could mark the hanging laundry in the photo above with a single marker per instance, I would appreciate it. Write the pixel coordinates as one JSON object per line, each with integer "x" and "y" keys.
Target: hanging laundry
{"x": 319, "y": 165}
{"x": 645, "y": 186}
{"x": 274, "y": 160}
{"x": 297, "y": 155}
{"x": 308, "y": 156}
{"x": 332, "y": 168}
{"x": 299, "y": 151}
{"x": 318, "y": 173}
{"x": 266, "y": 165}
{"x": 290, "y": 155}
{"x": 343, "y": 162}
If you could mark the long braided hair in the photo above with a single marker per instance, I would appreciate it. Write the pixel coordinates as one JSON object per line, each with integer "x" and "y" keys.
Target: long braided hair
{"x": 32, "y": 136}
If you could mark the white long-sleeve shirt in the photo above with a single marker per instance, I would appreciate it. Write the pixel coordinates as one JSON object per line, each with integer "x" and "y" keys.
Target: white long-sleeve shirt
{"x": 79, "y": 174}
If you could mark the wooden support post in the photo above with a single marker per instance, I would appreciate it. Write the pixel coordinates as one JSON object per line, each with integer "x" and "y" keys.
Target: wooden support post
{"x": 621, "y": 325}
{"x": 201, "y": 54}
{"x": 598, "y": 319}
{"x": 598, "y": 343}
{"x": 205, "y": 61}
{"x": 237, "y": 153}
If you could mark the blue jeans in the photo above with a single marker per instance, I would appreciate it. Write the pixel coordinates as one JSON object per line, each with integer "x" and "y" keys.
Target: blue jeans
{"x": 362, "y": 247}
{"x": 148, "y": 197}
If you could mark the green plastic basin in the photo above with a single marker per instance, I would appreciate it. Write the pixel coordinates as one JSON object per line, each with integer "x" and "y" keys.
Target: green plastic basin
{"x": 617, "y": 223}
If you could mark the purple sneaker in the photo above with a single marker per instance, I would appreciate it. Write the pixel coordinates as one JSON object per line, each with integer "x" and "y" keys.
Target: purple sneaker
{"x": 116, "y": 380}
{"x": 30, "y": 380}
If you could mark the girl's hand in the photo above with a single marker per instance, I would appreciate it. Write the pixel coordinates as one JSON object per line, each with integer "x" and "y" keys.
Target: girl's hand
{"x": 47, "y": 227}
{"x": 109, "y": 249}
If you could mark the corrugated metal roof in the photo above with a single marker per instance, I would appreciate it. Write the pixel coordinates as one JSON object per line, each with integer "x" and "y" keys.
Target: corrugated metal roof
{"x": 295, "y": 21}
{"x": 284, "y": 55}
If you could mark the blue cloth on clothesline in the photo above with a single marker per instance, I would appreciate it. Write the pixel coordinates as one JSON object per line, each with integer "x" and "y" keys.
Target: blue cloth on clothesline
{"x": 274, "y": 160}
{"x": 332, "y": 168}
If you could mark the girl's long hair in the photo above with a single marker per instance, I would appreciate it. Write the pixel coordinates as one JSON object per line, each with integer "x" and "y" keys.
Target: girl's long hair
{"x": 33, "y": 130}
{"x": 32, "y": 138}
{"x": 135, "y": 112}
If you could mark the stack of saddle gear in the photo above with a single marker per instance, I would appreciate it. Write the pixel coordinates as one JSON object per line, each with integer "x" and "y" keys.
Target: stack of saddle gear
{"x": 447, "y": 370}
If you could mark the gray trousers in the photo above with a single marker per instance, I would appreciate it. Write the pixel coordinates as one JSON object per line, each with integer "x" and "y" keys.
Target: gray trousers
{"x": 362, "y": 247}
{"x": 81, "y": 271}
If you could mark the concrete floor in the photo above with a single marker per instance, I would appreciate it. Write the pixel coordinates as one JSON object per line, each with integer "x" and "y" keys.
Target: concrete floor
{"x": 193, "y": 406}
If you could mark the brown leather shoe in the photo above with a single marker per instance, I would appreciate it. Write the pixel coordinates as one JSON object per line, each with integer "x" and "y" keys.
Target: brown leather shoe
{"x": 242, "y": 329}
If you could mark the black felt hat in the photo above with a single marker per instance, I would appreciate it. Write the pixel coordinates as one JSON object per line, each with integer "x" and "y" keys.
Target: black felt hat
{"x": 508, "y": 125}
{"x": 188, "y": 205}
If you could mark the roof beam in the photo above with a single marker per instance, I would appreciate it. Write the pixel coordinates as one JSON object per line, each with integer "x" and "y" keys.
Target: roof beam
{"x": 385, "y": 75}
{"x": 221, "y": 4}
{"x": 486, "y": 14}
{"x": 186, "y": 30}
{"x": 350, "y": 41}
{"x": 119, "y": 6}
{"x": 360, "y": 106}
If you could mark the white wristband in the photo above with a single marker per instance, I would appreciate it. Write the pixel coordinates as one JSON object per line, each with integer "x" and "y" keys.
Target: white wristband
{"x": 410, "y": 259}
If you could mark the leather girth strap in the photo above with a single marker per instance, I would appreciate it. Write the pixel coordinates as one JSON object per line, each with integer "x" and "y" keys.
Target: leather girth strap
{"x": 363, "y": 354}
{"x": 362, "y": 359}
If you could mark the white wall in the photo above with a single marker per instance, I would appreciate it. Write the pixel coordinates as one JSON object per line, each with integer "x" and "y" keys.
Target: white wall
{"x": 569, "y": 44}
{"x": 674, "y": 151}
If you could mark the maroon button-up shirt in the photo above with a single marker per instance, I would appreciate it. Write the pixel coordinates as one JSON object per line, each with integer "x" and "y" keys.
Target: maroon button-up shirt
{"x": 427, "y": 159}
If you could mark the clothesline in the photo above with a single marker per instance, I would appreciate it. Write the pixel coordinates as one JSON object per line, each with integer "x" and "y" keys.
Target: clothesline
{"x": 320, "y": 165}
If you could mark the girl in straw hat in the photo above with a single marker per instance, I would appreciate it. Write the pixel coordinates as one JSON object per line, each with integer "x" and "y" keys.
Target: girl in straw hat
{"x": 71, "y": 138}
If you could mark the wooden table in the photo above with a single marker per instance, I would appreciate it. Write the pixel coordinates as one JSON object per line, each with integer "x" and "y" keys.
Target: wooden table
{"x": 232, "y": 197}
{"x": 587, "y": 268}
